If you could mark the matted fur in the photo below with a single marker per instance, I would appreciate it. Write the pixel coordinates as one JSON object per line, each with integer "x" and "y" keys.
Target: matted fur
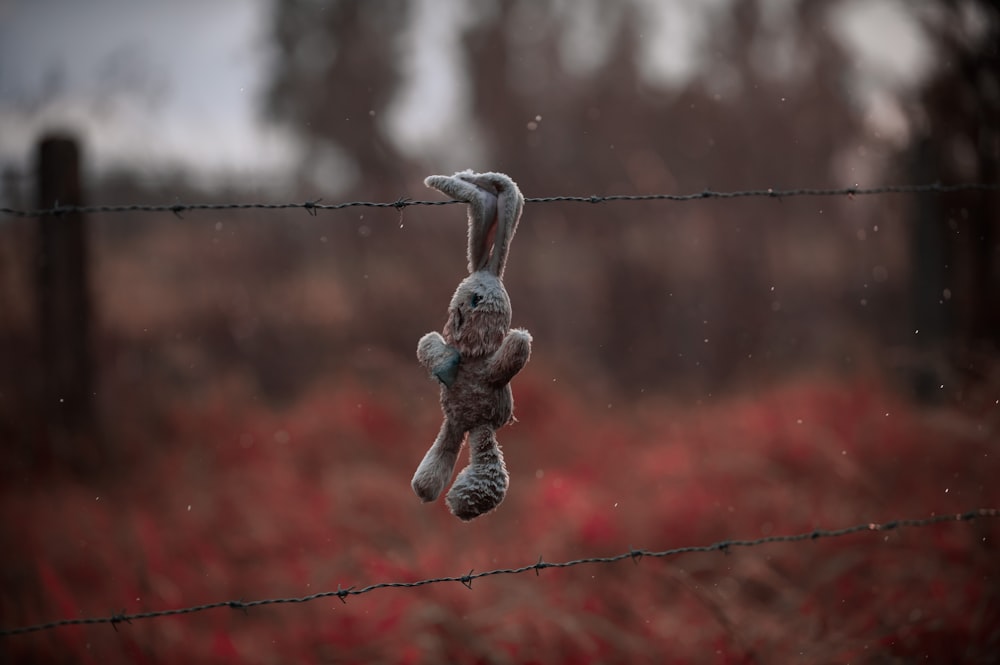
{"x": 477, "y": 355}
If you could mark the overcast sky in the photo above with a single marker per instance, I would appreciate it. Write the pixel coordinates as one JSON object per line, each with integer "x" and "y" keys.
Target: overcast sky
{"x": 148, "y": 83}
{"x": 156, "y": 85}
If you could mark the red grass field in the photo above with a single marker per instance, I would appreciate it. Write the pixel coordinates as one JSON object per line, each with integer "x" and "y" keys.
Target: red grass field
{"x": 240, "y": 502}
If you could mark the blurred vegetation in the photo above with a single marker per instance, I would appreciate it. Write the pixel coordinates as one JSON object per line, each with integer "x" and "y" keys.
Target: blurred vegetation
{"x": 245, "y": 502}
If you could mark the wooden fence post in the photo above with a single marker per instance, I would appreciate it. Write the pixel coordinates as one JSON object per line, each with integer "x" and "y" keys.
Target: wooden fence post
{"x": 64, "y": 309}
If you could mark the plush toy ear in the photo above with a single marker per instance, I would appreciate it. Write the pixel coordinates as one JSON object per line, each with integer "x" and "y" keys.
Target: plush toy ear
{"x": 482, "y": 214}
{"x": 509, "y": 206}
{"x": 495, "y": 205}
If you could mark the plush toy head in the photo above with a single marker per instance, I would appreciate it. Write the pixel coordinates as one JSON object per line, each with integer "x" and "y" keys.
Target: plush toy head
{"x": 479, "y": 315}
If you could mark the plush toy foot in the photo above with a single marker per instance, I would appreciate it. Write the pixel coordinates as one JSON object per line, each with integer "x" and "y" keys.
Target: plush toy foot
{"x": 432, "y": 475}
{"x": 479, "y": 488}
{"x": 438, "y": 464}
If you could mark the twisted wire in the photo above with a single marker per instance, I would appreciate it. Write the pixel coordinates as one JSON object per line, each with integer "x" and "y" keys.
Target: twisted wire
{"x": 635, "y": 555}
{"x": 314, "y": 206}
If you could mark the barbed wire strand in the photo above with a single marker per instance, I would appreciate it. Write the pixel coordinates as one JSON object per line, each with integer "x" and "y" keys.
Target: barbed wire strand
{"x": 634, "y": 554}
{"x": 314, "y": 206}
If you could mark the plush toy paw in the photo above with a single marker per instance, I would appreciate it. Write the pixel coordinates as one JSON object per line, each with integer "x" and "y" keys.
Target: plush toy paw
{"x": 447, "y": 370}
{"x": 511, "y": 357}
{"x": 440, "y": 359}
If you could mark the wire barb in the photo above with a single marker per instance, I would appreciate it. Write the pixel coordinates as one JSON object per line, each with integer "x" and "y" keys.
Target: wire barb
{"x": 466, "y": 580}
{"x": 310, "y": 206}
{"x": 344, "y": 593}
{"x": 238, "y": 605}
{"x": 120, "y": 617}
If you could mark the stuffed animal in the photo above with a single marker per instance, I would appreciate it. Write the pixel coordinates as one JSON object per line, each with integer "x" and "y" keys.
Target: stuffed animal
{"x": 477, "y": 355}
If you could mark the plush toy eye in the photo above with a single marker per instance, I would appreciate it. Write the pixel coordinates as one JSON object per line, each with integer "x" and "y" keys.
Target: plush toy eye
{"x": 475, "y": 300}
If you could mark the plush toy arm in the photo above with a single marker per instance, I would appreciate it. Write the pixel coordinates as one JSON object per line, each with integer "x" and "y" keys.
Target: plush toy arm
{"x": 440, "y": 359}
{"x": 512, "y": 355}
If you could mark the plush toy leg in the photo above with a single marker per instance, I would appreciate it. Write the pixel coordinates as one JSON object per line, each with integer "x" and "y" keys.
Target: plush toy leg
{"x": 438, "y": 464}
{"x": 482, "y": 485}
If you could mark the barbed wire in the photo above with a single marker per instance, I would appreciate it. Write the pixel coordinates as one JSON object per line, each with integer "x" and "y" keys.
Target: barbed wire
{"x": 314, "y": 206}
{"x": 635, "y": 555}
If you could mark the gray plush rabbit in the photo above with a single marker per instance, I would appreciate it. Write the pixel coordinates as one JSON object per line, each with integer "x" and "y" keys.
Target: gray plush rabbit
{"x": 477, "y": 355}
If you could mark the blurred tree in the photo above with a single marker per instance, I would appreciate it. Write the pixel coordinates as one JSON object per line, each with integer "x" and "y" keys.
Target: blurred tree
{"x": 738, "y": 123}
{"x": 956, "y": 240}
{"x": 635, "y": 97}
{"x": 334, "y": 73}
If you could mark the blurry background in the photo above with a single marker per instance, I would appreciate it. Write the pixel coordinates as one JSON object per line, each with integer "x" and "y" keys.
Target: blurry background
{"x": 201, "y": 343}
